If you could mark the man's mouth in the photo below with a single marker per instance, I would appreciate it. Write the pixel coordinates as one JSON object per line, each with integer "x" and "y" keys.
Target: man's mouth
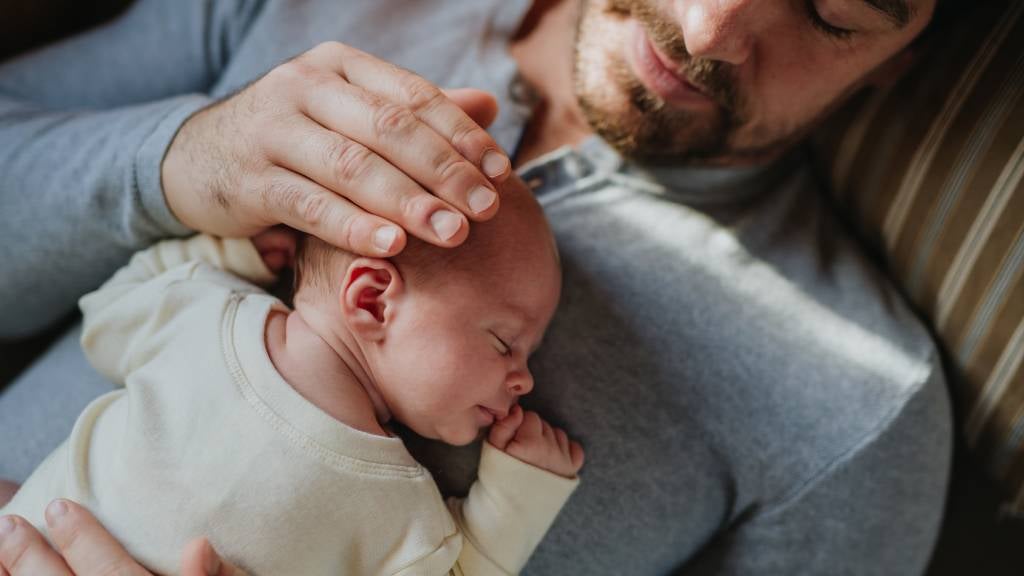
{"x": 661, "y": 75}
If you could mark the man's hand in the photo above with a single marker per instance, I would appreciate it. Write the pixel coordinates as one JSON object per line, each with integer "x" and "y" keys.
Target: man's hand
{"x": 340, "y": 145}
{"x": 83, "y": 547}
{"x": 527, "y": 437}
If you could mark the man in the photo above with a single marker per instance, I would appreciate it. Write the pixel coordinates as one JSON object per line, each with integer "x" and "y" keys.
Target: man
{"x": 752, "y": 396}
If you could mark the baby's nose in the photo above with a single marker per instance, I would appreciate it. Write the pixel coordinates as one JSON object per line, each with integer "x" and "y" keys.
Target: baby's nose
{"x": 520, "y": 382}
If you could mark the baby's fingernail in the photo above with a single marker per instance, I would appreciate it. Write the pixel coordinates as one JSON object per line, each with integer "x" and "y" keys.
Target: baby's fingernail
{"x": 384, "y": 237}
{"x": 445, "y": 223}
{"x": 481, "y": 199}
{"x": 494, "y": 163}
{"x": 7, "y": 525}
{"x": 57, "y": 509}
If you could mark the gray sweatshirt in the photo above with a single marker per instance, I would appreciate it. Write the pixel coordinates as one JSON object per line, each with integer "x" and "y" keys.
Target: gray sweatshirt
{"x": 752, "y": 395}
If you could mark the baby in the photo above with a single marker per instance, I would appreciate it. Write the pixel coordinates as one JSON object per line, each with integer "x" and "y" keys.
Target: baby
{"x": 265, "y": 428}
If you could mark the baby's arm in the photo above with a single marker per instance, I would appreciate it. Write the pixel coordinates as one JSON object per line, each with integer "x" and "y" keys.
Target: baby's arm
{"x": 527, "y": 473}
{"x": 126, "y": 320}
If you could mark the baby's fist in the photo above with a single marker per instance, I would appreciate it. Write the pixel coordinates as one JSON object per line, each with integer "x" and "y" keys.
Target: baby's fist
{"x": 527, "y": 437}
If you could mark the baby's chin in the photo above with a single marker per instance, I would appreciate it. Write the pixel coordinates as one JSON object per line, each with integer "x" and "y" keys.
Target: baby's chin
{"x": 460, "y": 437}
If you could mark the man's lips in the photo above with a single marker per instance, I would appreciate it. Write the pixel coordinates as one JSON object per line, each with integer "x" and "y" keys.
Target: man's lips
{"x": 659, "y": 74}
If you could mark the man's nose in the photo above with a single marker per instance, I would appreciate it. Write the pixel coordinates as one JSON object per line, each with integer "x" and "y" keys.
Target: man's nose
{"x": 520, "y": 382}
{"x": 717, "y": 29}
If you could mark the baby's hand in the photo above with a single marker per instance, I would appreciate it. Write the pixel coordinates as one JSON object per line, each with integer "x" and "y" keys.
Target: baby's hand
{"x": 276, "y": 247}
{"x": 527, "y": 437}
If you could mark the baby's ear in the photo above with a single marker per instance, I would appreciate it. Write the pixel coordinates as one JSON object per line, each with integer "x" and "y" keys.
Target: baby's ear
{"x": 369, "y": 295}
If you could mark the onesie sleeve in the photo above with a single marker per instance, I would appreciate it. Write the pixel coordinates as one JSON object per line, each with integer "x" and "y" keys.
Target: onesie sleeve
{"x": 506, "y": 514}
{"x": 144, "y": 303}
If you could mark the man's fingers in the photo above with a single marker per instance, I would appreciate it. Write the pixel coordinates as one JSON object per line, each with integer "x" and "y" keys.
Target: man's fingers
{"x": 24, "y": 551}
{"x": 395, "y": 133}
{"x": 349, "y": 169}
{"x": 424, "y": 99}
{"x": 200, "y": 559}
{"x": 86, "y": 545}
{"x": 307, "y": 206}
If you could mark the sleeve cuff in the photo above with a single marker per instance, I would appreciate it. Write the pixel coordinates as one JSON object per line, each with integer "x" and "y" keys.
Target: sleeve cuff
{"x": 149, "y": 158}
{"x": 510, "y": 507}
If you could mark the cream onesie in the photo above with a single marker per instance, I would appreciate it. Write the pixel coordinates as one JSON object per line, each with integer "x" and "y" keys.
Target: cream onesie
{"x": 207, "y": 439}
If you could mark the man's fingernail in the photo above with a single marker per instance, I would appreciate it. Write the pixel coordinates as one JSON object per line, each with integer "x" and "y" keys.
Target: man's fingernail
{"x": 7, "y": 525}
{"x": 445, "y": 223}
{"x": 481, "y": 199}
{"x": 56, "y": 510}
{"x": 384, "y": 237}
{"x": 494, "y": 163}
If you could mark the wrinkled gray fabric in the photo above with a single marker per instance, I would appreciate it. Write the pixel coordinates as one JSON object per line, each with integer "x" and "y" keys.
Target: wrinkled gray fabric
{"x": 752, "y": 396}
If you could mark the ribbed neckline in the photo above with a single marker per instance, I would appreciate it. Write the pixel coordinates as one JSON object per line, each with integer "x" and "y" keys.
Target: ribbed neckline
{"x": 308, "y": 427}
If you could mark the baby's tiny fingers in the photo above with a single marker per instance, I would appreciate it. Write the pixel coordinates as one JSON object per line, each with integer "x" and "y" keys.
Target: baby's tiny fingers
{"x": 563, "y": 440}
{"x": 547, "y": 431}
{"x": 531, "y": 428}
{"x": 576, "y": 455}
{"x": 505, "y": 429}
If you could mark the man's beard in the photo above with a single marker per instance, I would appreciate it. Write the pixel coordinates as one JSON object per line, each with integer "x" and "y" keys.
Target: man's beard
{"x": 648, "y": 129}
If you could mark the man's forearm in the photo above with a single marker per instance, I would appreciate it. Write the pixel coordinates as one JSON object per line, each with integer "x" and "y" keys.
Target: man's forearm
{"x": 83, "y": 128}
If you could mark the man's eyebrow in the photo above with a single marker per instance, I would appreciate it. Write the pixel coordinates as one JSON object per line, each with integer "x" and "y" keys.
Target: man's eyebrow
{"x": 899, "y": 12}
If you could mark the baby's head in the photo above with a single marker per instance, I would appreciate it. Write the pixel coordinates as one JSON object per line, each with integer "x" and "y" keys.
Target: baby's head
{"x": 442, "y": 334}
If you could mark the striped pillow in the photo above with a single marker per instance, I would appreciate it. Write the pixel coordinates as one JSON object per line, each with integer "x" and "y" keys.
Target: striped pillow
{"x": 933, "y": 171}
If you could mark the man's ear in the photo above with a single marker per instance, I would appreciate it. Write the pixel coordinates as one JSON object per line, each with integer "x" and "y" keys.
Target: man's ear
{"x": 369, "y": 296}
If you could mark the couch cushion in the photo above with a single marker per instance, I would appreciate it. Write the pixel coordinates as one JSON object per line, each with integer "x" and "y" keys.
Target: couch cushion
{"x": 932, "y": 170}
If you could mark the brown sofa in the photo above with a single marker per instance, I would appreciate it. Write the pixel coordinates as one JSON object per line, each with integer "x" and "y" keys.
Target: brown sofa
{"x": 931, "y": 172}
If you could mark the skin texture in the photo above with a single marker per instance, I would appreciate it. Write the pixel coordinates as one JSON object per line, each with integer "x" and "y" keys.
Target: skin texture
{"x": 769, "y": 72}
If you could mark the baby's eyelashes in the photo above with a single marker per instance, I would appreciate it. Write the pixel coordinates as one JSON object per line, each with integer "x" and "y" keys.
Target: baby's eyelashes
{"x": 503, "y": 347}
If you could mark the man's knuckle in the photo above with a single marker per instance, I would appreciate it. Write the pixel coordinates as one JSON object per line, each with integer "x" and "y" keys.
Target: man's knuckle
{"x": 447, "y": 164}
{"x": 349, "y": 226}
{"x": 393, "y": 119}
{"x": 419, "y": 94}
{"x": 349, "y": 159}
{"x": 411, "y": 207}
{"x": 312, "y": 208}
{"x": 281, "y": 196}
{"x": 330, "y": 48}
{"x": 466, "y": 134}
